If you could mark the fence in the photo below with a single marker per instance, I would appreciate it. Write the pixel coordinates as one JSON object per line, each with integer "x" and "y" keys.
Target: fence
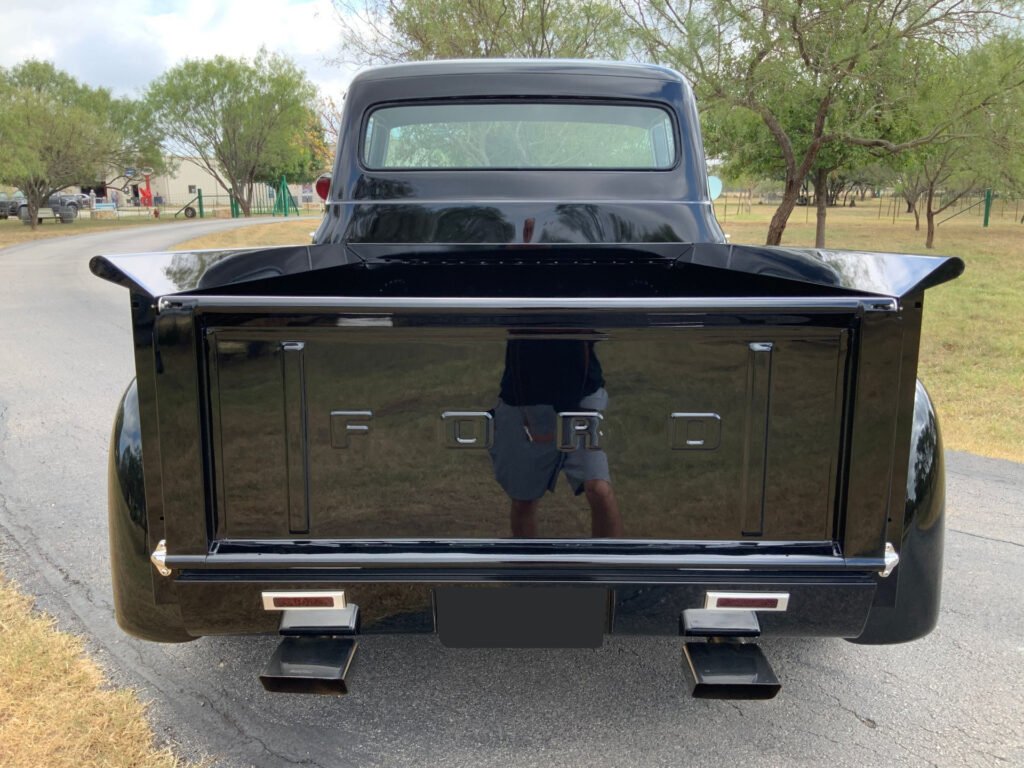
{"x": 998, "y": 206}
{"x": 888, "y": 203}
{"x": 266, "y": 200}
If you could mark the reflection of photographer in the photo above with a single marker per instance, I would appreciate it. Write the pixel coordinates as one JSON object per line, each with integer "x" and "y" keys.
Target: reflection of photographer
{"x": 543, "y": 379}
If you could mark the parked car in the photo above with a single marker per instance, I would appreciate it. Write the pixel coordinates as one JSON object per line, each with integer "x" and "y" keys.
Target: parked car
{"x": 65, "y": 205}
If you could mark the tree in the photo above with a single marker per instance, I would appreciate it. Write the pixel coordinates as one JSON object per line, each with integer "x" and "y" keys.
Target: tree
{"x": 92, "y": 136}
{"x": 308, "y": 154}
{"x": 330, "y": 114}
{"x": 814, "y": 74}
{"x": 138, "y": 143}
{"x": 387, "y": 31}
{"x": 984, "y": 147}
{"x": 235, "y": 117}
{"x": 51, "y": 132}
{"x": 747, "y": 146}
{"x": 910, "y": 185}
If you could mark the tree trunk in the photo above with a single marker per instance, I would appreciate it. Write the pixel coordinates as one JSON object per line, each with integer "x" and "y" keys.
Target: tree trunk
{"x": 241, "y": 192}
{"x": 781, "y": 216}
{"x": 33, "y": 213}
{"x": 244, "y": 199}
{"x": 929, "y": 241}
{"x": 917, "y": 218}
{"x": 821, "y": 203}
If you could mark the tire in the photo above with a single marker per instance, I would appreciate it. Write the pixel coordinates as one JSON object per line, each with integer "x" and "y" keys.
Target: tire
{"x": 190, "y": 212}
{"x": 23, "y": 215}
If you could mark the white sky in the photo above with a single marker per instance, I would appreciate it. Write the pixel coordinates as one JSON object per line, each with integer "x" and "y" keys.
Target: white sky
{"x": 124, "y": 44}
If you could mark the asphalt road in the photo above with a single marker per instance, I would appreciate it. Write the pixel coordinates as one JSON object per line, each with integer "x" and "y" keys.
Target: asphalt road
{"x": 953, "y": 699}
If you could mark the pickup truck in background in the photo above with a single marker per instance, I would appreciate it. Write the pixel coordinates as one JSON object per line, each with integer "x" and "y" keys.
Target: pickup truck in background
{"x": 59, "y": 207}
{"x": 520, "y": 392}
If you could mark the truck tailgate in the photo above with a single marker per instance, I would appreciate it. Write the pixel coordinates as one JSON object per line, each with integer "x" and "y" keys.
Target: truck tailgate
{"x": 327, "y": 407}
{"x": 382, "y": 428}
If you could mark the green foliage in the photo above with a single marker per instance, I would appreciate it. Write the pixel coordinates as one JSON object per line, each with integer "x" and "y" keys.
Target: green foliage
{"x": 307, "y": 157}
{"x": 140, "y": 138}
{"x": 815, "y": 75}
{"x": 984, "y": 88}
{"x": 385, "y": 31}
{"x": 240, "y": 119}
{"x": 131, "y": 136}
{"x": 51, "y": 132}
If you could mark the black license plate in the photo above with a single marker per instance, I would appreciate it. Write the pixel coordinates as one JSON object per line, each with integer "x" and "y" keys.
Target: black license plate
{"x": 521, "y": 617}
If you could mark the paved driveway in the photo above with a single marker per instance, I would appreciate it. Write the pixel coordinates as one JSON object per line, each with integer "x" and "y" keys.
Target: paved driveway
{"x": 953, "y": 699}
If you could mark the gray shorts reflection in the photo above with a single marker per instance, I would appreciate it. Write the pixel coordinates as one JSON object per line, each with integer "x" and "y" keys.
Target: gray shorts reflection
{"x": 535, "y": 441}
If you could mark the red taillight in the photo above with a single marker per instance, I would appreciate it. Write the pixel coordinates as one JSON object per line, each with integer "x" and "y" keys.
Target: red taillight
{"x": 746, "y": 601}
{"x": 323, "y": 186}
{"x": 303, "y": 602}
{"x": 283, "y": 601}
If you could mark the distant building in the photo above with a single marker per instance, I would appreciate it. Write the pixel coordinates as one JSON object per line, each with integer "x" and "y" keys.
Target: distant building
{"x": 182, "y": 183}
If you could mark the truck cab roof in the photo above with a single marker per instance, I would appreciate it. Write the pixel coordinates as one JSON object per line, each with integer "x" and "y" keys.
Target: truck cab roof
{"x": 530, "y": 67}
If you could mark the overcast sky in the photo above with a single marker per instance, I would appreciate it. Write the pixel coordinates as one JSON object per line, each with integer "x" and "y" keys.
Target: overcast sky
{"x": 124, "y": 44}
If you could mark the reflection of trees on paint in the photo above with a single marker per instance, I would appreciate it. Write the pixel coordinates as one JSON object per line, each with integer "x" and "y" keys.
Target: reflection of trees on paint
{"x": 421, "y": 224}
{"x": 594, "y": 224}
{"x": 369, "y": 188}
{"x": 924, "y": 452}
{"x": 129, "y": 471}
{"x": 924, "y": 459}
{"x": 186, "y": 269}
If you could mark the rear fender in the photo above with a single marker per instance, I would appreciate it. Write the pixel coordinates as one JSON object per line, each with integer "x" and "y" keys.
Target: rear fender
{"x": 919, "y": 573}
{"x": 135, "y": 605}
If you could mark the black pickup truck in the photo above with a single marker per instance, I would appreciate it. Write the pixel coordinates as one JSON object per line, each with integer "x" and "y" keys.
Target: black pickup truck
{"x": 519, "y": 279}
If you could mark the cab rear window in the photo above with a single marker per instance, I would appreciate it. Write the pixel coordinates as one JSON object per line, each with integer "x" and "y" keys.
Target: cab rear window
{"x": 523, "y": 136}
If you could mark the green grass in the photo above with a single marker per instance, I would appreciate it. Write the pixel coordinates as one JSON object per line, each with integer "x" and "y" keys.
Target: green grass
{"x": 13, "y": 232}
{"x": 972, "y": 351}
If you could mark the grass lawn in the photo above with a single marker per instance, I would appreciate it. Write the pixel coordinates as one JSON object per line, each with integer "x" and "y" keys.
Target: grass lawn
{"x": 56, "y": 709}
{"x": 972, "y": 352}
{"x": 13, "y": 232}
{"x": 972, "y": 356}
{"x": 280, "y": 231}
